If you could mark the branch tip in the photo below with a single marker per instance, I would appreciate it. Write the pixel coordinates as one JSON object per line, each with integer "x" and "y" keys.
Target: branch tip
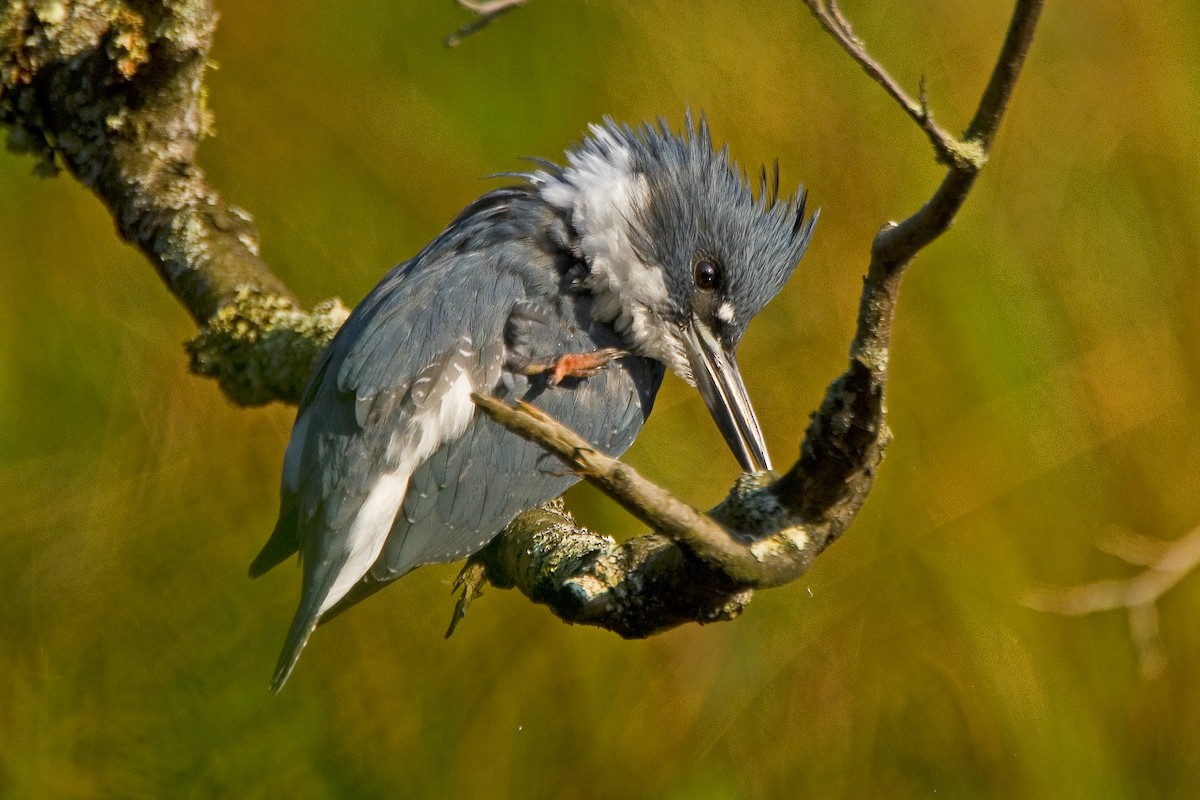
{"x": 486, "y": 11}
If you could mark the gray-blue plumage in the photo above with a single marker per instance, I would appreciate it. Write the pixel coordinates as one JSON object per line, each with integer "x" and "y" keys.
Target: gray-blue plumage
{"x": 647, "y": 244}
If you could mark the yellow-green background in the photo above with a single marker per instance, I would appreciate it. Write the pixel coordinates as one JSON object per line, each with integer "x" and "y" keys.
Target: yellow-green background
{"x": 1045, "y": 382}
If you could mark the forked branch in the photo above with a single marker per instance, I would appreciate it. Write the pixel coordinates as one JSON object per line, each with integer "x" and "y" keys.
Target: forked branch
{"x": 771, "y": 527}
{"x": 1166, "y": 564}
{"x": 835, "y": 23}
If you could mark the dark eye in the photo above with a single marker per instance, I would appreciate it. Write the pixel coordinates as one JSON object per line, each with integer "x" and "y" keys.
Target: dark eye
{"x": 708, "y": 275}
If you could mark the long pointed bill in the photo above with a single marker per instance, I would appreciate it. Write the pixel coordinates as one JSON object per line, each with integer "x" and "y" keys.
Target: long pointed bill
{"x": 720, "y": 384}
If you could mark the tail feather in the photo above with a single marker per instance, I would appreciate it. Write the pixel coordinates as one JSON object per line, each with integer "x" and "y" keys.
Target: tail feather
{"x": 303, "y": 624}
{"x": 282, "y": 544}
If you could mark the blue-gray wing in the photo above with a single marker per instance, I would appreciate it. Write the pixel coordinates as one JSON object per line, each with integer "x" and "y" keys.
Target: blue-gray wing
{"x": 375, "y": 373}
{"x": 473, "y": 487}
{"x": 393, "y": 387}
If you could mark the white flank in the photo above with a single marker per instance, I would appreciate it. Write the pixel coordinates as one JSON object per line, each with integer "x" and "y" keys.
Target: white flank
{"x": 605, "y": 196}
{"x": 427, "y": 430}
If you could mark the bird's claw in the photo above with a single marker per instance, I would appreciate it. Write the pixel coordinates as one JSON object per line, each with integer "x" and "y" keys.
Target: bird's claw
{"x": 568, "y": 365}
{"x": 471, "y": 581}
{"x": 582, "y": 365}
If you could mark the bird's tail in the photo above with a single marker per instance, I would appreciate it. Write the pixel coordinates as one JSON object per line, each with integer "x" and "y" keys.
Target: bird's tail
{"x": 303, "y": 624}
{"x": 284, "y": 540}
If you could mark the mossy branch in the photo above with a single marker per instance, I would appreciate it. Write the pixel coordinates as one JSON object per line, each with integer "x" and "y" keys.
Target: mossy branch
{"x": 113, "y": 91}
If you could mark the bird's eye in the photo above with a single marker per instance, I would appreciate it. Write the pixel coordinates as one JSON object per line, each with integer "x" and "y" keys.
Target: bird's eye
{"x": 708, "y": 275}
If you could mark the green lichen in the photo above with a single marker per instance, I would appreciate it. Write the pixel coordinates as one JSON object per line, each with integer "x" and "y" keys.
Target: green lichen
{"x": 968, "y": 154}
{"x": 774, "y": 534}
{"x": 752, "y": 509}
{"x": 262, "y": 347}
{"x": 782, "y": 544}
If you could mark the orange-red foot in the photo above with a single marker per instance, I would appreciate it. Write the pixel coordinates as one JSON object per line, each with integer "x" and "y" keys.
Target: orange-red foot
{"x": 582, "y": 365}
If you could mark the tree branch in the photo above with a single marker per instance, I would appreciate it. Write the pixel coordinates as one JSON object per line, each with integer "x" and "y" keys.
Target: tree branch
{"x": 113, "y": 91}
{"x": 1137, "y": 596}
{"x": 770, "y": 528}
{"x": 636, "y": 588}
{"x": 761, "y": 547}
{"x": 836, "y": 25}
{"x": 897, "y": 244}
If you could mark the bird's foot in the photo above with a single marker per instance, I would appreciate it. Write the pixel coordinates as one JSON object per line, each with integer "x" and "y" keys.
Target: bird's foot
{"x": 583, "y": 365}
{"x": 471, "y": 581}
{"x": 571, "y": 365}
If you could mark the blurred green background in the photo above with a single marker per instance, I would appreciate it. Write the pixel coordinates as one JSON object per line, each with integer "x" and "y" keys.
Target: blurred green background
{"x": 1046, "y": 370}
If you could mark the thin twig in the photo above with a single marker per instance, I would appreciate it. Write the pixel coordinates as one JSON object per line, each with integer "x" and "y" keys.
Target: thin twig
{"x": 832, "y": 20}
{"x": 986, "y": 122}
{"x": 486, "y": 12}
{"x": 1138, "y": 596}
{"x": 895, "y": 245}
{"x": 761, "y": 562}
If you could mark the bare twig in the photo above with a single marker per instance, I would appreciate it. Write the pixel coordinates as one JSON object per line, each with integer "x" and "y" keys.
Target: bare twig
{"x": 486, "y": 13}
{"x": 895, "y": 245}
{"x": 1138, "y": 596}
{"x": 832, "y": 20}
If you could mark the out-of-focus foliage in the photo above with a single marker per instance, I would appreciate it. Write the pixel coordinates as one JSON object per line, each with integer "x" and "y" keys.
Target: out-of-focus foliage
{"x": 1046, "y": 372}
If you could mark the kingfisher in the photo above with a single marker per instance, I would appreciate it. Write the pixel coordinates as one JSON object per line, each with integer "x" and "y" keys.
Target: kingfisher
{"x": 574, "y": 289}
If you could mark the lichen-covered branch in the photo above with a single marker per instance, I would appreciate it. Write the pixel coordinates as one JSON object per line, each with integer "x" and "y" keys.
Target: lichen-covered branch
{"x": 635, "y": 588}
{"x": 751, "y": 537}
{"x": 261, "y": 346}
{"x": 813, "y": 503}
{"x": 113, "y": 91}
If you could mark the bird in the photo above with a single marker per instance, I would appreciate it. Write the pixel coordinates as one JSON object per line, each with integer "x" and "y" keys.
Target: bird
{"x": 574, "y": 289}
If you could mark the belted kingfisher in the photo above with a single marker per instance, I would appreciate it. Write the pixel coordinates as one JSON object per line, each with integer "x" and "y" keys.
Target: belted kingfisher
{"x": 573, "y": 290}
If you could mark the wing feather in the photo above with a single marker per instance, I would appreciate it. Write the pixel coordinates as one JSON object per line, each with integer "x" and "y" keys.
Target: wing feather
{"x": 376, "y": 427}
{"x": 489, "y": 475}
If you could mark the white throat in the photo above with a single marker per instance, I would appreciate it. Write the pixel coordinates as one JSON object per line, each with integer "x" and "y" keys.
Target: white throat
{"x": 605, "y": 196}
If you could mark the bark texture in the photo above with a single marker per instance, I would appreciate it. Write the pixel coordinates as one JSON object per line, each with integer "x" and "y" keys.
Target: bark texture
{"x": 113, "y": 92}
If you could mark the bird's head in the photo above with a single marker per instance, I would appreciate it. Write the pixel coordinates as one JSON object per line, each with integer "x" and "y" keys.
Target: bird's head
{"x": 681, "y": 255}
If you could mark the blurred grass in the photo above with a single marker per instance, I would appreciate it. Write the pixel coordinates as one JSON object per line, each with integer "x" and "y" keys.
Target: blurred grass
{"x": 1045, "y": 385}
